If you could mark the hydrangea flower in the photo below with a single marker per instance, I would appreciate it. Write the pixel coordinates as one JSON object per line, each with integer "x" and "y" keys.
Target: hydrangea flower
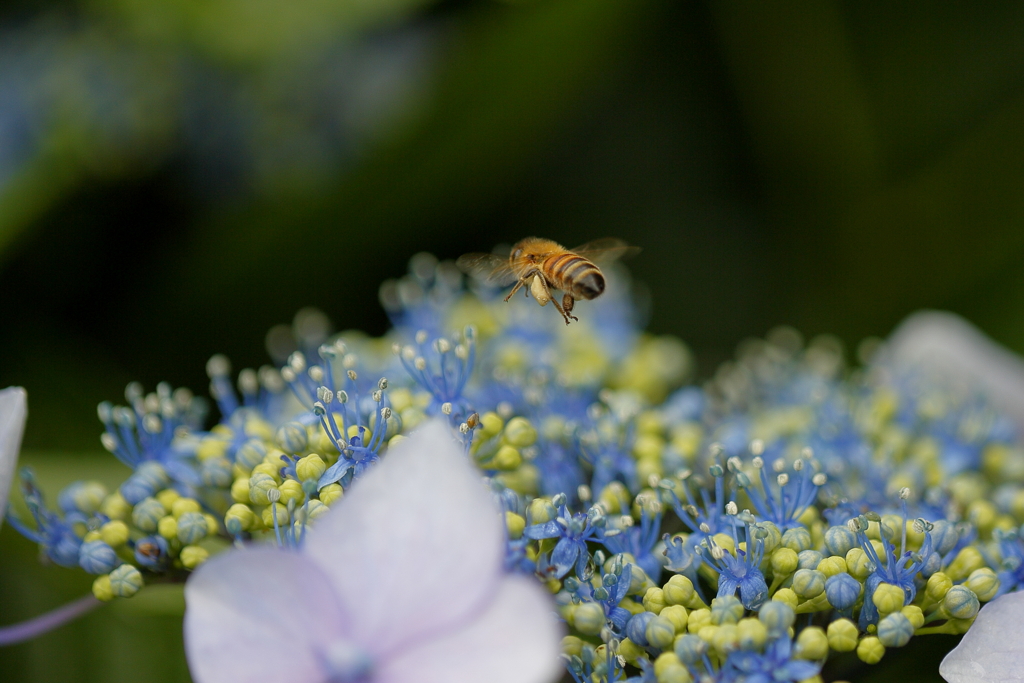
{"x": 382, "y": 589}
{"x": 13, "y": 411}
{"x": 992, "y": 651}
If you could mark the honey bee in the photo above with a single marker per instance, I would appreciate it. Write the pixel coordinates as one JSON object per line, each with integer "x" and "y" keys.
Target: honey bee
{"x": 543, "y": 265}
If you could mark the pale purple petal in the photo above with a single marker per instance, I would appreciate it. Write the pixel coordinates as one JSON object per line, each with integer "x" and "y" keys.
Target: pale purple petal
{"x": 260, "y": 615}
{"x": 992, "y": 651}
{"x": 948, "y": 343}
{"x": 515, "y": 640}
{"x": 13, "y": 411}
{"x": 417, "y": 544}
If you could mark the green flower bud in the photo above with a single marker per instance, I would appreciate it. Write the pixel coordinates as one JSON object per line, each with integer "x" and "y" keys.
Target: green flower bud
{"x": 726, "y": 610}
{"x": 311, "y": 466}
{"x": 283, "y": 518}
{"x": 125, "y": 581}
{"x": 191, "y": 527}
{"x": 115, "y": 506}
{"x": 491, "y": 424}
{"x": 797, "y": 539}
{"x": 272, "y": 470}
{"x": 292, "y": 437}
{"x": 668, "y": 669}
{"x": 842, "y": 635}
{"x": 571, "y": 645}
{"x": 808, "y": 559}
{"x": 507, "y": 458}
{"x": 589, "y": 618}
{"x": 784, "y": 561}
{"x": 839, "y": 540}
{"x": 240, "y": 515}
{"x": 725, "y": 638}
{"x": 812, "y": 643}
{"x": 677, "y": 615}
{"x": 966, "y": 561}
{"x": 937, "y": 586}
{"x": 698, "y": 619}
{"x": 330, "y": 493}
{"x": 291, "y": 490}
{"x": 87, "y": 496}
{"x": 114, "y": 533}
{"x": 182, "y": 505}
{"x": 984, "y": 583}
{"x": 777, "y": 615}
{"x": 260, "y": 486}
{"x": 515, "y": 525}
{"x": 870, "y": 650}
{"x": 147, "y": 514}
{"x": 895, "y": 630}
{"x": 250, "y": 454}
{"x": 520, "y": 433}
{"x": 101, "y": 588}
{"x": 773, "y": 539}
{"x": 888, "y": 598}
{"x": 753, "y": 634}
{"x": 690, "y": 649}
{"x": 787, "y": 597}
{"x": 858, "y": 564}
{"x": 654, "y": 600}
{"x": 960, "y": 602}
{"x": 830, "y": 566}
{"x": 678, "y": 590}
{"x": 630, "y": 651}
{"x": 660, "y": 632}
{"x": 240, "y": 490}
{"x": 808, "y": 583}
{"x": 914, "y": 615}
{"x": 168, "y": 527}
{"x": 540, "y": 511}
{"x": 193, "y": 555}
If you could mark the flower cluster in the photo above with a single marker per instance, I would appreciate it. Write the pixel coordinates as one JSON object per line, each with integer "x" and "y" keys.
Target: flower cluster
{"x": 791, "y": 508}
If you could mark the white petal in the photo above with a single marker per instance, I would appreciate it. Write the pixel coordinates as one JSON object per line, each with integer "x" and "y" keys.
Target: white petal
{"x": 516, "y": 640}
{"x": 261, "y": 615}
{"x": 13, "y": 411}
{"x": 992, "y": 650}
{"x": 950, "y": 344}
{"x": 417, "y": 544}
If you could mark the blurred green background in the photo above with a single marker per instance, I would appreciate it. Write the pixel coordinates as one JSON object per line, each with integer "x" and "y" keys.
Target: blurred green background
{"x": 177, "y": 176}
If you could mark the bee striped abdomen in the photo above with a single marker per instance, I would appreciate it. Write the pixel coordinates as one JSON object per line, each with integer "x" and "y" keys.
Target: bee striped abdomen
{"x": 573, "y": 273}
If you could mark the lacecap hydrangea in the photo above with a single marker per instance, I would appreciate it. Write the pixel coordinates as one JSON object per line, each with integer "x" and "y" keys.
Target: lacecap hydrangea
{"x": 790, "y": 508}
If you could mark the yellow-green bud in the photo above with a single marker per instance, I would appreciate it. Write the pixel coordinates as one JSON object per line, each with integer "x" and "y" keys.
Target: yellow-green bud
{"x": 515, "y": 525}
{"x": 589, "y": 618}
{"x": 260, "y": 486}
{"x": 272, "y": 471}
{"x": 830, "y": 566}
{"x": 752, "y": 633}
{"x": 167, "y": 497}
{"x": 678, "y": 590}
{"x": 114, "y": 533}
{"x": 888, "y": 598}
{"x": 895, "y": 630}
{"x": 291, "y": 490}
{"x": 183, "y": 505}
{"x": 960, "y": 602}
{"x": 507, "y": 458}
{"x": 520, "y": 433}
{"x": 938, "y": 584}
{"x": 797, "y": 539}
{"x": 786, "y": 596}
{"x": 311, "y": 466}
{"x": 726, "y": 609}
{"x": 283, "y": 517}
{"x": 654, "y": 600}
{"x": 630, "y": 651}
{"x": 812, "y": 643}
{"x": 784, "y": 561}
{"x": 101, "y": 588}
{"x": 168, "y": 527}
{"x": 331, "y": 493}
{"x": 870, "y": 650}
{"x": 842, "y": 635}
{"x": 726, "y": 638}
{"x": 698, "y": 619}
{"x": 677, "y": 615}
{"x": 540, "y": 511}
{"x": 808, "y": 583}
{"x": 125, "y": 581}
{"x": 858, "y": 564}
{"x": 491, "y": 424}
{"x": 665, "y": 668}
{"x": 660, "y": 632}
{"x": 571, "y": 645}
{"x": 147, "y": 514}
{"x": 240, "y": 490}
{"x": 115, "y": 506}
{"x": 984, "y": 583}
{"x": 966, "y": 561}
{"x": 648, "y": 446}
{"x": 240, "y": 515}
{"x": 914, "y": 615}
{"x": 193, "y": 555}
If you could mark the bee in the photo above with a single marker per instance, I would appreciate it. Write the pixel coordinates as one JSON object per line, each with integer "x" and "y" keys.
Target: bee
{"x": 543, "y": 265}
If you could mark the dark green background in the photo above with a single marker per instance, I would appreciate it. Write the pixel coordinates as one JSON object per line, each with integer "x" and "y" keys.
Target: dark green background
{"x": 830, "y": 165}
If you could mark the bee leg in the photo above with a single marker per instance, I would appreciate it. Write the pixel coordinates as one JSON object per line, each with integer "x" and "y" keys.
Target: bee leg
{"x": 514, "y": 290}
{"x": 561, "y": 310}
{"x": 568, "y": 302}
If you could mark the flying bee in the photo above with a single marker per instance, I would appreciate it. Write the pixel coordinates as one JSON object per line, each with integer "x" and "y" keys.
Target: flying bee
{"x": 543, "y": 265}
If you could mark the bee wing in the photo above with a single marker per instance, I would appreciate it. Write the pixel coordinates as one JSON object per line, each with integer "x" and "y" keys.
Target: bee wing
{"x": 490, "y": 268}
{"x": 605, "y": 250}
